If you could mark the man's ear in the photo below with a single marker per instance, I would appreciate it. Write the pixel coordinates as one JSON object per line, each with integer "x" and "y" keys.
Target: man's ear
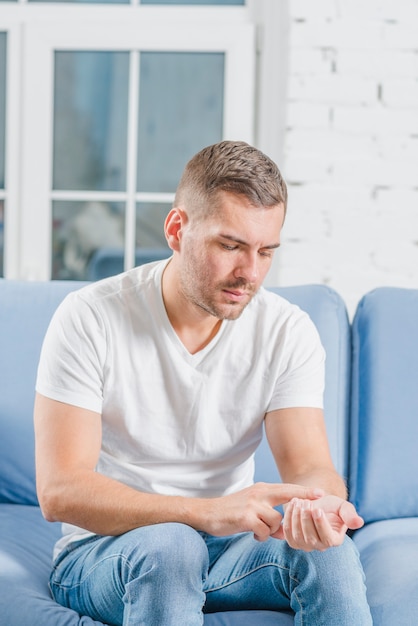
{"x": 173, "y": 225}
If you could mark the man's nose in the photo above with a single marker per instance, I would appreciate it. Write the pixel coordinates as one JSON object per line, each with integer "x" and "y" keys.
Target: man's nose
{"x": 248, "y": 268}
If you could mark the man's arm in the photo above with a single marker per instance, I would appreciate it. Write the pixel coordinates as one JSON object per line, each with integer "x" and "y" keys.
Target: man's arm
{"x": 68, "y": 442}
{"x": 298, "y": 440}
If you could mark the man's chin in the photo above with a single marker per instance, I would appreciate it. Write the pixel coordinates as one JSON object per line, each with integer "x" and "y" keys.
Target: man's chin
{"x": 225, "y": 310}
{"x": 232, "y": 311}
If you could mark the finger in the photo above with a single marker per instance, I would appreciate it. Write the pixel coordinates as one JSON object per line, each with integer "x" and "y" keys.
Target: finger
{"x": 297, "y": 530}
{"x": 272, "y": 519}
{"x": 279, "y": 534}
{"x": 285, "y": 492}
{"x": 287, "y": 522}
{"x": 292, "y": 528}
{"x": 326, "y": 535}
{"x": 268, "y": 523}
{"x": 308, "y": 526}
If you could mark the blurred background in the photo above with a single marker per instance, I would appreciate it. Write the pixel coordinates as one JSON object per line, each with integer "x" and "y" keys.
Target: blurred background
{"x": 102, "y": 104}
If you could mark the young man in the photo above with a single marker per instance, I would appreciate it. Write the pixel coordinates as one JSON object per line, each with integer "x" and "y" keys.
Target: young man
{"x": 152, "y": 391}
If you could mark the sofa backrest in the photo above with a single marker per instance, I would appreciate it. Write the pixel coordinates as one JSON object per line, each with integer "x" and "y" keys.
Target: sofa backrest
{"x": 383, "y": 479}
{"x": 25, "y": 311}
{"x": 328, "y": 312}
{"x": 106, "y": 262}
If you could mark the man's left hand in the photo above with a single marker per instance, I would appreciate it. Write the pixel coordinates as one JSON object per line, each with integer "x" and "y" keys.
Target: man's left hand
{"x": 318, "y": 525}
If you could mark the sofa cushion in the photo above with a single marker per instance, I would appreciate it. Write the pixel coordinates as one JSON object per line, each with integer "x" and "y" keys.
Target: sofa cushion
{"x": 384, "y": 413}
{"x": 388, "y": 551}
{"x": 26, "y": 542}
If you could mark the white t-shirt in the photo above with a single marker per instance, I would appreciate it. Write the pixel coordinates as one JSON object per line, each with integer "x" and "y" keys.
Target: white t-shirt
{"x": 172, "y": 422}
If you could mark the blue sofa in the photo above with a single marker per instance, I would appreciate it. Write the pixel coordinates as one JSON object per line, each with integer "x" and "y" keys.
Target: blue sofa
{"x": 383, "y": 450}
{"x": 372, "y": 447}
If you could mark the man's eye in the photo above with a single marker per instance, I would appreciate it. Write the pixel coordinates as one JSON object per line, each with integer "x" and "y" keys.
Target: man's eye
{"x": 226, "y": 246}
{"x": 266, "y": 253}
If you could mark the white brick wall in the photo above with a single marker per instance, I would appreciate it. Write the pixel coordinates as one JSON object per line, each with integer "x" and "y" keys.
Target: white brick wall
{"x": 351, "y": 146}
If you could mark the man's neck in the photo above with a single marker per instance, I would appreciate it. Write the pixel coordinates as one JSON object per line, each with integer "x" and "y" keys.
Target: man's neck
{"x": 194, "y": 327}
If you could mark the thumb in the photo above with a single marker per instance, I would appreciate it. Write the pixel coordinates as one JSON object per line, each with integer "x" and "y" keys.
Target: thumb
{"x": 350, "y": 517}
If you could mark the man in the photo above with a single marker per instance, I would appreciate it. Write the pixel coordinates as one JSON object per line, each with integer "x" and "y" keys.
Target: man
{"x": 152, "y": 391}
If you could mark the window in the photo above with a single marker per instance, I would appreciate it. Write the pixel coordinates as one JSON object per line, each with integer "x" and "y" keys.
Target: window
{"x": 108, "y": 105}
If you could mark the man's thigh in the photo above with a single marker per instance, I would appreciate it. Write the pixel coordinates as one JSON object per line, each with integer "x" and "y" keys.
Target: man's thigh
{"x": 246, "y": 574}
{"x": 121, "y": 580}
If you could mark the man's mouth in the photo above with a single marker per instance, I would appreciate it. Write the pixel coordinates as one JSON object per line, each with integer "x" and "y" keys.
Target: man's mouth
{"x": 236, "y": 295}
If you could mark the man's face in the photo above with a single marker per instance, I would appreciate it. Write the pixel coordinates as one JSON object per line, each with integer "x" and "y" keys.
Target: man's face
{"x": 225, "y": 257}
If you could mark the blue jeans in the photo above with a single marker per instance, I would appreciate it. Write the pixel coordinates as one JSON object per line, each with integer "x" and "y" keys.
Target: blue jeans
{"x": 168, "y": 574}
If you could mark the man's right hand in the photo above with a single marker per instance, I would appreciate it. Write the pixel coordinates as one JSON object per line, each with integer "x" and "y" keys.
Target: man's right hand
{"x": 250, "y": 510}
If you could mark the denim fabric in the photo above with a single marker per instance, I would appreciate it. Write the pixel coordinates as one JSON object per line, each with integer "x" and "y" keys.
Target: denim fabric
{"x": 168, "y": 574}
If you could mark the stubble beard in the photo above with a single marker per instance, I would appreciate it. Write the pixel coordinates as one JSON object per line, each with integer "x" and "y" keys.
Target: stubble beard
{"x": 227, "y": 311}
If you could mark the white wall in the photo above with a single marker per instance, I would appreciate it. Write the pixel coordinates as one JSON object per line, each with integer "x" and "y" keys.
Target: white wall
{"x": 351, "y": 146}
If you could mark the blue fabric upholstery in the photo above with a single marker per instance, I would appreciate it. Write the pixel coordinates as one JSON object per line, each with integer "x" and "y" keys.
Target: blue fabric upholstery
{"x": 388, "y": 552}
{"x": 383, "y": 459}
{"x": 25, "y": 311}
{"x": 384, "y": 428}
{"x": 26, "y": 539}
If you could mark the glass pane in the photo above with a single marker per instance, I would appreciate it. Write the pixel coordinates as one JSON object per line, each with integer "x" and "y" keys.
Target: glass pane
{"x": 1, "y": 237}
{"x": 224, "y": 2}
{"x": 150, "y": 218}
{"x": 86, "y": 1}
{"x": 90, "y": 120}
{"x": 151, "y": 244}
{"x": 79, "y": 230}
{"x": 180, "y": 112}
{"x": 3, "y": 42}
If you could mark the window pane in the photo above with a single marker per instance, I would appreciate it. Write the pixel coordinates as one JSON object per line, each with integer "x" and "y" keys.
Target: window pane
{"x": 79, "y": 230}
{"x": 150, "y": 218}
{"x": 224, "y": 2}
{"x": 180, "y": 112}
{"x": 86, "y": 1}
{"x": 108, "y": 260}
{"x": 3, "y": 42}
{"x": 90, "y": 120}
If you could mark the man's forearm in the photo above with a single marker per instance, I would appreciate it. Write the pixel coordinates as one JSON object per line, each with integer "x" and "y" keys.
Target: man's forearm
{"x": 106, "y": 507}
{"x": 328, "y": 480}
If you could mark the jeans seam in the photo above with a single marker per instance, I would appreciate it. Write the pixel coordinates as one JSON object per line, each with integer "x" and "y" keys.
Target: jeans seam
{"x": 256, "y": 569}
{"x": 88, "y": 573}
{"x": 300, "y": 606}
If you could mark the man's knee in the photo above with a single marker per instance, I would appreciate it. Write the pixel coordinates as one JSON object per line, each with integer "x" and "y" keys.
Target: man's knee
{"x": 168, "y": 547}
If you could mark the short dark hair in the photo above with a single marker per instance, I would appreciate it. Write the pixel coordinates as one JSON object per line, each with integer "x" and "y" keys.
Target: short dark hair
{"x": 235, "y": 167}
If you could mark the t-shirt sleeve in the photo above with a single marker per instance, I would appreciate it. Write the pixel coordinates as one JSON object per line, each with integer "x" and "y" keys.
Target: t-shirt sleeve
{"x": 301, "y": 378}
{"x": 73, "y": 353}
